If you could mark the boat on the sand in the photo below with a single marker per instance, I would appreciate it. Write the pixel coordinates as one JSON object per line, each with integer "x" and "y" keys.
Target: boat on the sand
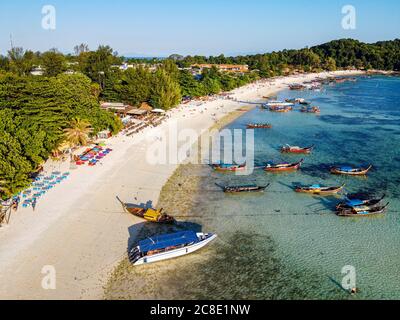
{"x": 148, "y": 214}
{"x": 168, "y": 246}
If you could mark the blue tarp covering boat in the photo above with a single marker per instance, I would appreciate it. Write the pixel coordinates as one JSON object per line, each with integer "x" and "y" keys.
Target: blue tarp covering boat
{"x": 346, "y": 169}
{"x": 354, "y": 202}
{"x": 168, "y": 240}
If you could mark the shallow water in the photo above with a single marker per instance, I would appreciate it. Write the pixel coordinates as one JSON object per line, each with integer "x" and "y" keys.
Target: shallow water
{"x": 284, "y": 245}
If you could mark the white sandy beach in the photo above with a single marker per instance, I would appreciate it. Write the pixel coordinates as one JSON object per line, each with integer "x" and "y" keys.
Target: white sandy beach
{"x": 80, "y": 228}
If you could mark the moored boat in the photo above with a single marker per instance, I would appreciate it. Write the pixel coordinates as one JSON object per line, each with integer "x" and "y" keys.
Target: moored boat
{"x": 319, "y": 190}
{"x": 296, "y": 149}
{"x": 280, "y": 108}
{"x": 279, "y": 104}
{"x": 282, "y": 167}
{"x": 359, "y": 203}
{"x": 148, "y": 214}
{"x": 229, "y": 167}
{"x": 244, "y": 188}
{"x": 348, "y": 170}
{"x": 259, "y": 126}
{"x": 168, "y": 246}
{"x": 310, "y": 109}
{"x": 362, "y": 211}
{"x": 296, "y": 86}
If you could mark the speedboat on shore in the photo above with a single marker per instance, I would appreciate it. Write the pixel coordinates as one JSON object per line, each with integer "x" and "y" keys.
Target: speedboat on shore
{"x": 169, "y": 246}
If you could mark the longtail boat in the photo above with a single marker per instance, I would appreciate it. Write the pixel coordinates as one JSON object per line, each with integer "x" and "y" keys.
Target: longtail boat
{"x": 295, "y": 149}
{"x": 259, "y": 126}
{"x": 280, "y": 109}
{"x": 319, "y": 190}
{"x": 151, "y": 215}
{"x": 309, "y": 109}
{"x": 296, "y": 87}
{"x": 362, "y": 212}
{"x": 229, "y": 167}
{"x": 347, "y": 170}
{"x": 284, "y": 167}
{"x": 279, "y": 104}
{"x": 245, "y": 188}
{"x": 168, "y": 246}
{"x": 359, "y": 203}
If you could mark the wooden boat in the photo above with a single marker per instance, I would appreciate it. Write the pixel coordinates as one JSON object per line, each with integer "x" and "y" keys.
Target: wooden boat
{"x": 296, "y": 87}
{"x": 229, "y": 167}
{"x": 309, "y": 109}
{"x": 168, "y": 246}
{"x": 259, "y": 126}
{"x": 319, "y": 190}
{"x": 346, "y": 170}
{"x": 364, "y": 211}
{"x": 359, "y": 203}
{"x": 151, "y": 215}
{"x": 279, "y": 104}
{"x": 280, "y": 109}
{"x": 245, "y": 188}
{"x": 283, "y": 167}
{"x": 295, "y": 149}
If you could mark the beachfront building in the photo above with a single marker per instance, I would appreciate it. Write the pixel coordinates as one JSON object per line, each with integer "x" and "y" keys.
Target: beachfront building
{"x": 118, "y": 108}
{"x": 234, "y": 68}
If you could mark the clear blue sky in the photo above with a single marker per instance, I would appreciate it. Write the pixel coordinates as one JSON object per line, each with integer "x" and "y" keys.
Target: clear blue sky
{"x": 207, "y": 27}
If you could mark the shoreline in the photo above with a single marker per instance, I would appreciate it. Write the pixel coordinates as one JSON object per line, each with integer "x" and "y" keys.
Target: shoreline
{"x": 85, "y": 235}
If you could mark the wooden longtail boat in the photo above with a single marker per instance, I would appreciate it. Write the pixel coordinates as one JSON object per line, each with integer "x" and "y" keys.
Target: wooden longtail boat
{"x": 259, "y": 126}
{"x": 151, "y": 215}
{"x": 284, "y": 167}
{"x": 280, "y": 109}
{"x": 309, "y": 109}
{"x": 295, "y": 149}
{"x": 350, "y": 170}
{"x": 365, "y": 211}
{"x": 229, "y": 167}
{"x": 317, "y": 189}
{"x": 241, "y": 189}
{"x": 358, "y": 203}
{"x": 296, "y": 87}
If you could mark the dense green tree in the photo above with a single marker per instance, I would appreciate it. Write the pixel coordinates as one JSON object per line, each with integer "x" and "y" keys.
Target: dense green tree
{"x": 53, "y": 63}
{"x": 165, "y": 91}
{"x": 21, "y": 62}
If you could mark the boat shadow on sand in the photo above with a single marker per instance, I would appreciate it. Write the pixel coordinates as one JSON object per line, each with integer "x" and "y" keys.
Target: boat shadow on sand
{"x": 144, "y": 230}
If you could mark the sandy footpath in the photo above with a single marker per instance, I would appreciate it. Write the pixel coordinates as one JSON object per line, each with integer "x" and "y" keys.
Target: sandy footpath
{"x": 80, "y": 228}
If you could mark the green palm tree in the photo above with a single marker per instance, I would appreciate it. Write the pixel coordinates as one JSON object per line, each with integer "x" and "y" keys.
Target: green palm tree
{"x": 78, "y": 132}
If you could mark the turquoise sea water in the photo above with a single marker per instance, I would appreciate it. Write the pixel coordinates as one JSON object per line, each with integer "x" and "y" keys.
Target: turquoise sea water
{"x": 284, "y": 245}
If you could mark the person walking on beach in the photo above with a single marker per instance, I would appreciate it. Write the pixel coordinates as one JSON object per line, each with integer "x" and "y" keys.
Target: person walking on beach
{"x": 34, "y": 204}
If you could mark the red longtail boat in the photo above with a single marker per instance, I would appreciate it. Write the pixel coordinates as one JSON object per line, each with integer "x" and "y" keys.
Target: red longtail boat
{"x": 283, "y": 167}
{"x": 295, "y": 149}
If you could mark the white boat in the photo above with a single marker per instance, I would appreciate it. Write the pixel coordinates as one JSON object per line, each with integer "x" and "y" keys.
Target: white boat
{"x": 279, "y": 104}
{"x": 169, "y": 246}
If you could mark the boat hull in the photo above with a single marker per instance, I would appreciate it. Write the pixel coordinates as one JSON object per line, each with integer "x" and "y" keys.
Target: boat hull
{"x": 174, "y": 253}
{"x": 355, "y": 173}
{"x": 233, "y": 169}
{"x": 296, "y": 151}
{"x": 288, "y": 168}
{"x": 319, "y": 192}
